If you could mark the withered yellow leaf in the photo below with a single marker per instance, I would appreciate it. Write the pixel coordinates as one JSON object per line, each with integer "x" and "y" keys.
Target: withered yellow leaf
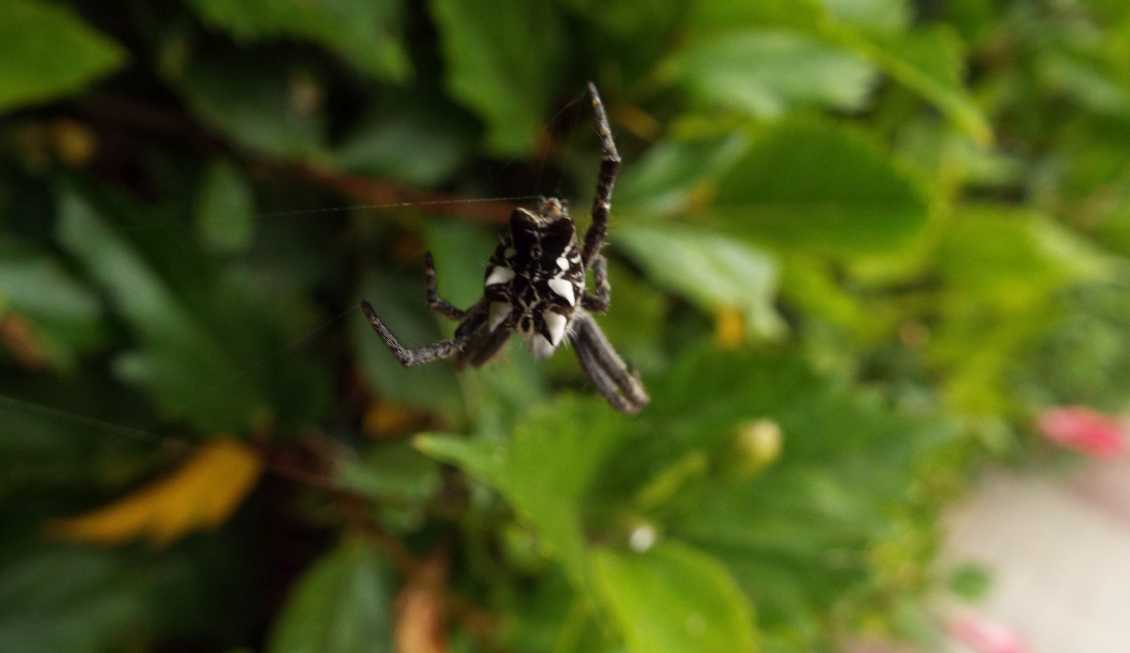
{"x": 201, "y": 494}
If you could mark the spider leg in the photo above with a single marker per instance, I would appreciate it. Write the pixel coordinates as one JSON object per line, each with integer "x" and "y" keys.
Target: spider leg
{"x": 599, "y": 300}
{"x": 435, "y": 302}
{"x": 412, "y": 357}
{"x": 609, "y": 166}
{"x": 619, "y": 384}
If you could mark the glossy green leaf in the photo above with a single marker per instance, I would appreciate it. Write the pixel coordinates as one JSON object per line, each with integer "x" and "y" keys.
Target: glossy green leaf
{"x": 673, "y": 599}
{"x": 821, "y": 188}
{"x": 712, "y": 271}
{"x": 504, "y": 60}
{"x": 225, "y": 209}
{"x": 364, "y": 33}
{"x": 48, "y": 52}
{"x": 343, "y": 604}
{"x": 767, "y": 73}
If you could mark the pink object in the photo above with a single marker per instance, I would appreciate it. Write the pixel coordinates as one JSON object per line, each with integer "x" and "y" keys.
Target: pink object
{"x": 985, "y": 636}
{"x": 1084, "y": 430}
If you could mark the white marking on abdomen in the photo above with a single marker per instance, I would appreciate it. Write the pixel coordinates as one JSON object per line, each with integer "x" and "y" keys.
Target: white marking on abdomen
{"x": 499, "y": 275}
{"x": 564, "y": 288}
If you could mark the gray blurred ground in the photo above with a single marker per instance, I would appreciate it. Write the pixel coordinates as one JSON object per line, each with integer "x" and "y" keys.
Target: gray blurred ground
{"x": 1059, "y": 550}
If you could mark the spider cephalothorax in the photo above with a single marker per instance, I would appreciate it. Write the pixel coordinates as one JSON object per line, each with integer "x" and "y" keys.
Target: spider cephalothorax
{"x": 535, "y": 284}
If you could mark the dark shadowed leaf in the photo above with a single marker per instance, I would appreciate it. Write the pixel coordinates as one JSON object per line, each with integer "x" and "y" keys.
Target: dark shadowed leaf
{"x": 364, "y": 33}
{"x": 179, "y": 357}
{"x": 46, "y": 51}
{"x": 63, "y": 317}
{"x": 225, "y": 209}
{"x": 399, "y": 299}
{"x": 504, "y": 59}
{"x": 419, "y": 141}
{"x": 109, "y": 598}
{"x": 268, "y": 110}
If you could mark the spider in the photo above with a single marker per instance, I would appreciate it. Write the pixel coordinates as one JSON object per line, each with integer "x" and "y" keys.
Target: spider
{"x": 535, "y": 284}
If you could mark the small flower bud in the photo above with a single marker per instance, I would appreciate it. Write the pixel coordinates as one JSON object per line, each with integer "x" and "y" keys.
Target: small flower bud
{"x": 758, "y": 444}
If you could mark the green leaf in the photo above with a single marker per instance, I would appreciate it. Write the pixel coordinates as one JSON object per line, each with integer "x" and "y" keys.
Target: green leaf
{"x": 821, "y": 188}
{"x": 767, "y": 73}
{"x": 225, "y": 209}
{"x": 545, "y": 469}
{"x": 46, "y": 52}
{"x": 844, "y": 465}
{"x": 49, "y": 449}
{"x": 724, "y": 15}
{"x": 1002, "y": 268}
{"x": 929, "y": 63}
{"x": 875, "y": 15}
{"x": 65, "y": 317}
{"x": 504, "y": 60}
{"x": 273, "y": 110}
{"x": 421, "y": 141}
{"x": 365, "y": 33}
{"x": 341, "y": 605}
{"x": 100, "y": 601}
{"x": 391, "y": 470}
{"x": 713, "y": 271}
{"x": 399, "y": 299}
{"x": 674, "y": 174}
{"x": 181, "y": 354}
{"x": 483, "y": 457}
{"x": 674, "y": 599}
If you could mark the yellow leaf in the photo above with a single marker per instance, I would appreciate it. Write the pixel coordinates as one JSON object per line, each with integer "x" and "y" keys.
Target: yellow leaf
{"x": 201, "y": 494}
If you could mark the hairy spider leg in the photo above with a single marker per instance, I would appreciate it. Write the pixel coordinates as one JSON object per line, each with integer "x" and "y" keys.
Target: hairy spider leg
{"x": 602, "y": 298}
{"x": 612, "y": 376}
{"x": 412, "y": 357}
{"x": 435, "y": 302}
{"x": 609, "y": 166}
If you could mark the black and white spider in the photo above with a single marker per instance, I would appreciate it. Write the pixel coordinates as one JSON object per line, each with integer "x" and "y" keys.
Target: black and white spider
{"x": 535, "y": 284}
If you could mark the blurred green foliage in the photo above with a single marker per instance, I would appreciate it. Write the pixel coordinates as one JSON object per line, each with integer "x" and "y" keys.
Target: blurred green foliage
{"x": 856, "y": 246}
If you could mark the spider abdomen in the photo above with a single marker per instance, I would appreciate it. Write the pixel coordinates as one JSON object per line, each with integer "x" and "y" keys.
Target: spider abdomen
{"x": 535, "y": 278}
